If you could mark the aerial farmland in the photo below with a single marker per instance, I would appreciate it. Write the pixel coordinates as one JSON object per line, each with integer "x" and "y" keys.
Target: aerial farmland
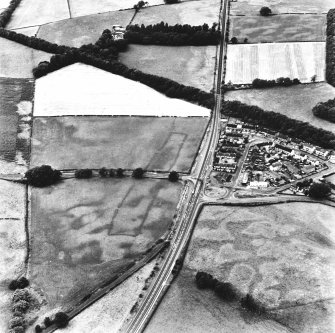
{"x": 167, "y": 166}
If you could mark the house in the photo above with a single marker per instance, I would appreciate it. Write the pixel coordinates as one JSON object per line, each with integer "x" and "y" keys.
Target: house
{"x": 118, "y": 32}
{"x": 308, "y": 148}
{"x": 245, "y": 178}
{"x": 332, "y": 159}
{"x": 256, "y": 184}
{"x": 321, "y": 152}
{"x": 308, "y": 168}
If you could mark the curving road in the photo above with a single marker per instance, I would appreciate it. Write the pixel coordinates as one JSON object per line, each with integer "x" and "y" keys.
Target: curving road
{"x": 188, "y": 213}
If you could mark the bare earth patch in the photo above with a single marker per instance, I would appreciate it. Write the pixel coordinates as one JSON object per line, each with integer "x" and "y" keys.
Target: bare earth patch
{"x": 189, "y": 65}
{"x": 272, "y": 60}
{"x": 295, "y": 102}
{"x": 85, "y": 232}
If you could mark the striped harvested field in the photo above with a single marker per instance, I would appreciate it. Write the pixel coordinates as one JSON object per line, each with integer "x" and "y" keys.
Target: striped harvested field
{"x": 272, "y": 60}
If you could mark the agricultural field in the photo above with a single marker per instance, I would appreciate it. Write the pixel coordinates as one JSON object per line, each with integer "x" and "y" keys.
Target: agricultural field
{"x": 189, "y": 65}
{"x": 282, "y": 28}
{"x": 36, "y": 12}
{"x": 85, "y": 90}
{"x": 186, "y": 309}
{"x": 189, "y": 12}
{"x": 16, "y": 97}
{"x": 298, "y": 102}
{"x": 282, "y": 254}
{"x": 18, "y": 61}
{"x": 112, "y": 310}
{"x": 31, "y": 31}
{"x": 270, "y": 61}
{"x": 84, "y": 7}
{"x": 252, "y": 7}
{"x": 84, "y": 232}
{"x": 127, "y": 142}
{"x": 83, "y": 30}
{"x": 12, "y": 243}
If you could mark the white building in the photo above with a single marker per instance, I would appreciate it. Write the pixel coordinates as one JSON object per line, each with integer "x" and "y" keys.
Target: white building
{"x": 259, "y": 184}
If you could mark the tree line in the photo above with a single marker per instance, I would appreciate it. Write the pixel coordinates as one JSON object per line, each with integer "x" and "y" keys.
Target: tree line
{"x": 7, "y": 13}
{"x": 325, "y": 110}
{"x": 330, "y": 48}
{"x": 227, "y": 292}
{"x": 278, "y": 122}
{"x": 280, "y": 82}
{"x": 176, "y": 35}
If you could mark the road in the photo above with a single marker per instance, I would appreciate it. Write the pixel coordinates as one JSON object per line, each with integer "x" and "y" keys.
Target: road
{"x": 187, "y": 216}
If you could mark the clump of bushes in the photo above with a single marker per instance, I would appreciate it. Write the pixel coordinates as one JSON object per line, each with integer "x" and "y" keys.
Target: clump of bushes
{"x": 280, "y": 82}
{"x": 224, "y": 290}
{"x": 325, "y": 110}
{"x": 43, "y": 176}
{"x": 138, "y": 173}
{"x": 20, "y": 283}
{"x": 176, "y": 35}
{"x": 319, "y": 190}
{"x": 248, "y": 302}
{"x": 173, "y": 176}
{"x": 83, "y": 173}
{"x": 61, "y": 319}
{"x": 119, "y": 172}
{"x": 103, "y": 172}
{"x": 265, "y": 11}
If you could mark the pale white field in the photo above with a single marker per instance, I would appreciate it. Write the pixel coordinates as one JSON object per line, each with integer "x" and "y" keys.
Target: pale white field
{"x": 36, "y": 12}
{"x": 12, "y": 243}
{"x": 4, "y": 4}
{"x": 109, "y": 313}
{"x": 272, "y": 60}
{"x": 84, "y": 90}
{"x": 84, "y": 7}
{"x": 31, "y": 31}
{"x": 18, "y": 61}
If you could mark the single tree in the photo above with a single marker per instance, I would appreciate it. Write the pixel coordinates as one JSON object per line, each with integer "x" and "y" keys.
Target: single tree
{"x": 47, "y": 322}
{"x": 138, "y": 173}
{"x": 119, "y": 172}
{"x": 234, "y": 40}
{"x": 61, "y": 319}
{"x": 265, "y": 11}
{"x": 22, "y": 282}
{"x": 42, "y": 176}
{"x": 173, "y": 176}
{"x": 319, "y": 190}
{"x": 103, "y": 172}
{"x": 38, "y": 329}
{"x": 246, "y": 40}
{"x": 111, "y": 173}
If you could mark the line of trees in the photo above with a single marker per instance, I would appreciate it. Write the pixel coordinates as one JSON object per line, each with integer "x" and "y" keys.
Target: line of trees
{"x": 278, "y": 122}
{"x": 176, "y": 35}
{"x": 98, "y": 56}
{"x": 227, "y": 292}
{"x": 280, "y": 82}
{"x": 330, "y": 48}
{"x": 7, "y": 13}
{"x": 325, "y": 110}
